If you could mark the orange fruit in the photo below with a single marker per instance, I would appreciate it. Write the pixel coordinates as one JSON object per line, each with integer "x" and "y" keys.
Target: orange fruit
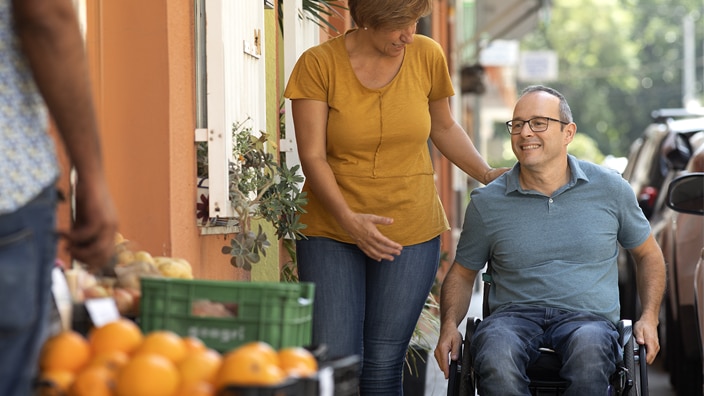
{"x": 147, "y": 374}
{"x": 93, "y": 381}
{"x": 199, "y": 366}
{"x": 194, "y": 344}
{"x": 297, "y": 362}
{"x": 68, "y": 351}
{"x": 112, "y": 360}
{"x": 264, "y": 350}
{"x": 54, "y": 382}
{"x": 120, "y": 335}
{"x": 165, "y": 343}
{"x": 196, "y": 389}
{"x": 255, "y": 363}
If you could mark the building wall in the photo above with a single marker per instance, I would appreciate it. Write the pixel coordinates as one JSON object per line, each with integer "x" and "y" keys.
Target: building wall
{"x": 142, "y": 64}
{"x": 142, "y": 61}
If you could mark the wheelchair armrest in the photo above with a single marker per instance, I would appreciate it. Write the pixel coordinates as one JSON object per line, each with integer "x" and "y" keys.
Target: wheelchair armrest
{"x": 625, "y": 331}
{"x": 471, "y": 327}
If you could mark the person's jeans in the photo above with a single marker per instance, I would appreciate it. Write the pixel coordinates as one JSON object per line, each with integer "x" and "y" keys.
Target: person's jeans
{"x": 507, "y": 341}
{"x": 368, "y": 308}
{"x": 27, "y": 255}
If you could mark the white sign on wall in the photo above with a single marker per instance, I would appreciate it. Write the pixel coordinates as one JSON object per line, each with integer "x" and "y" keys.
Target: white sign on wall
{"x": 500, "y": 53}
{"x": 537, "y": 66}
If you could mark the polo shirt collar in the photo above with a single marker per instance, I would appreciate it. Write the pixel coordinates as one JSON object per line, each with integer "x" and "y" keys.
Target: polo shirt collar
{"x": 577, "y": 174}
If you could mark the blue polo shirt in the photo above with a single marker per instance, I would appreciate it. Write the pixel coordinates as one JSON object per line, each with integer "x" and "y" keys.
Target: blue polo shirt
{"x": 558, "y": 251}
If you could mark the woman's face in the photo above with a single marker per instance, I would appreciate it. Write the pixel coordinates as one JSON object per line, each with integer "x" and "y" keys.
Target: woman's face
{"x": 392, "y": 42}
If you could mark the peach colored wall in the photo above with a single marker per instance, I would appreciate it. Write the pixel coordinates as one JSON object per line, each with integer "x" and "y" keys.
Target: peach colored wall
{"x": 141, "y": 56}
{"x": 134, "y": 92}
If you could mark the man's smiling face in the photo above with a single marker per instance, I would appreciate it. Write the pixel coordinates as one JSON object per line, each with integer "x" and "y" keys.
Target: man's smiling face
{"x": 535, "y": 149}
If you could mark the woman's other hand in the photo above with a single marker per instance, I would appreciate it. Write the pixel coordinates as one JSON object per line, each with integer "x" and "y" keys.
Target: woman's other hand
{"x": 363, "y": 228}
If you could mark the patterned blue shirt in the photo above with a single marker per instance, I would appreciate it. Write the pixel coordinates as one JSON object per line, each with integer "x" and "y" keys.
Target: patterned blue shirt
{"x": 27, "y": 154}
{"x": 558, "y": 251}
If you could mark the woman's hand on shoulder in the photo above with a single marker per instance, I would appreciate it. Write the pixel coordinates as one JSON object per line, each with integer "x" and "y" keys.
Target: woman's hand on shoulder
{"x": 363, "y": 229}
{"x": 493, "y": 173}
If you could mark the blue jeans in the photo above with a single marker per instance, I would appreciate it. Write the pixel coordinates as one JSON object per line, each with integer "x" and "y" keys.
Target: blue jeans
{"x": 27, "y": 254}
{"x": 507, "y": 341}
{"x": 368, "y": 308}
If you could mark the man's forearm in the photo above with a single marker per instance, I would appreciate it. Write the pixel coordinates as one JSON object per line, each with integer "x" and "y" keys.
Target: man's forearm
{"x": 651, "y": 287}
{"x": 455, "y": 295}
{"x": 650, "y": 278}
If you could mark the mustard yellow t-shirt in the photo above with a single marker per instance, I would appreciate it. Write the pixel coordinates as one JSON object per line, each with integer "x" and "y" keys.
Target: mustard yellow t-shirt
{"x": 377, "y": 139}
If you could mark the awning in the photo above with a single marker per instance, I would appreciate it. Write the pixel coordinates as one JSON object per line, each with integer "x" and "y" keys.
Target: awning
{"x": 508, "y": 19}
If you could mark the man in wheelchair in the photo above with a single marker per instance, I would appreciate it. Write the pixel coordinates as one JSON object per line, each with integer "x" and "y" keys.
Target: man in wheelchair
{"x": 550, "y": 227}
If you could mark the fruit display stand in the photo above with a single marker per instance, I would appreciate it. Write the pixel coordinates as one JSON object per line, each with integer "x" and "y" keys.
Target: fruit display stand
{"x": 226, "y": 314}
{"x": 339, "y": 377}
{"x": 117, "y": 359}
{"x": 155, "y": 302}
{"x": 292, "y": 387}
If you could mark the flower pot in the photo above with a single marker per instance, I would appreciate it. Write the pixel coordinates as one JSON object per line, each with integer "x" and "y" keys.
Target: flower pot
{"x": 415, "y": 371}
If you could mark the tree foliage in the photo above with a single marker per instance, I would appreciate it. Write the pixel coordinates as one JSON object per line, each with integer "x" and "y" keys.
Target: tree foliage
{"x": 618, "y": 61}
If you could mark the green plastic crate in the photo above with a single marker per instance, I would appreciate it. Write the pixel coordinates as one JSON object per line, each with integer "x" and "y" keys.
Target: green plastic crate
{"x": 277, "y": 313}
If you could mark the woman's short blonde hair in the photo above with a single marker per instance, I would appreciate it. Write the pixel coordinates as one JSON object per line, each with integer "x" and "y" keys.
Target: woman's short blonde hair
{"x": 388, "y": 14}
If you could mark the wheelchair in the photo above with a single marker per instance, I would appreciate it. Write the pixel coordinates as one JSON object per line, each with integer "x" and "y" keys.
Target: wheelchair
{"x": 630, "y": 378}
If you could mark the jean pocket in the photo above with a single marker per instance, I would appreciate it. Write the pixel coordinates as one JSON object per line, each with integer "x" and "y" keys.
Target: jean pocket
{"x": 19, "y": 276}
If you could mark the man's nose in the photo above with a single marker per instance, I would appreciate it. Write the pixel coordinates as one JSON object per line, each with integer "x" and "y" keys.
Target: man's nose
{"x": 526, "y": 129}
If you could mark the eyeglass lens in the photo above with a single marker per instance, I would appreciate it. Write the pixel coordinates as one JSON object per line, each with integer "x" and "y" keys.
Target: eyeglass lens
{"x": 537, "y": 124}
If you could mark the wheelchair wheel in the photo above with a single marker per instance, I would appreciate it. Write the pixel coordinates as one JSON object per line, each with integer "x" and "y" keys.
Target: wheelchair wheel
{"x": 632, "y": 376}
{"x": 643, "y": 368}
{"x": 453, "y": 383}
{"x": 636, "y": 369}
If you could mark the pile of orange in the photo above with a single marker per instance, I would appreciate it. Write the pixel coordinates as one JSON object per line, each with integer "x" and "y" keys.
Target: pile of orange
{"x": 118, "y": 360}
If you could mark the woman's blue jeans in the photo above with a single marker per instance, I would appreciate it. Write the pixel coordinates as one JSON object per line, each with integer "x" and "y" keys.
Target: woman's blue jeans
{"x": 27, "y": 255}
{"x": 368, "y": 308}
{"x": 507, "y": 341}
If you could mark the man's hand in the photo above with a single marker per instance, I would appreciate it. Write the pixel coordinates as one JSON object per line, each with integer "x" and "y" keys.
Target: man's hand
{"x": 646, "y": 333}
{"x": 448, "y": 348}
{"x": 91, "y": 239}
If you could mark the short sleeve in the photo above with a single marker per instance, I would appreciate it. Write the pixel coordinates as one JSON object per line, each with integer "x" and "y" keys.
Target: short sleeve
{"x": 441, "y": 81}
{"x": 473, "y": 247}
{"x": 308, "y": 79}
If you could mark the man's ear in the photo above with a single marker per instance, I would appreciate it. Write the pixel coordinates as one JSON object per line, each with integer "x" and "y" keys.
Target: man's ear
{"x": 570, "y": 130}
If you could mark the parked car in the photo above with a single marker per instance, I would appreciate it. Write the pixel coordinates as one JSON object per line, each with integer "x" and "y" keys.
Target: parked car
{"x": 645, "y": 171}
{"x": 681, "y": 237}
{"x": 686, "y": 196}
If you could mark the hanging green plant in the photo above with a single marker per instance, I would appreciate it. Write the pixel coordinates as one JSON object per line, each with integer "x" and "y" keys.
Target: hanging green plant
{"x": 261, "y": 188}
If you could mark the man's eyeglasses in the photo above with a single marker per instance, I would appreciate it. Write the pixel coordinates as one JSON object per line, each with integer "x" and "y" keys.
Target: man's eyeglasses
{"x": 536, "y": 124}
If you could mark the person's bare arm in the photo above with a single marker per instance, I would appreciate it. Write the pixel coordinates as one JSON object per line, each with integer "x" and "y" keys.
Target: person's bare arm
{"x": 650, "y": 281}
{"x": 50, "y": 37}
{"x": 310, "y": 120}
{"x": 455, "y": 296}
{"x": 454, "y": 143}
